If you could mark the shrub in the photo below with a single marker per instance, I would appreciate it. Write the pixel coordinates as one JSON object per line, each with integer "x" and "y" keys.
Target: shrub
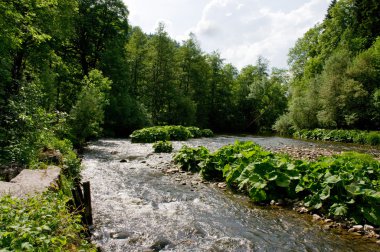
{"x": 345, "y": 136}
{"x": 40, "y": 223}
{"x": 342, "y": 186}
{"x": 207, "y": 133}
{"x": 162, "y": 133}
{"x": 373, "y": 138}
{"x": 195, "y": 132}
{"x": 149, "y": 135}
{"x": 189, "y": 158}
{"x": 284, "y": 125}
{"x": 163, "y": 147}
{"x": 179, "y": 133}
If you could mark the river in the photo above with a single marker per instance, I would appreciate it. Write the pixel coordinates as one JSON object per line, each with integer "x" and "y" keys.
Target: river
{"x": 141, "y": 202}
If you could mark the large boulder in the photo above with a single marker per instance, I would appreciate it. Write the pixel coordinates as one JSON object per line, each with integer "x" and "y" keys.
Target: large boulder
{"x": 31, "y": 182}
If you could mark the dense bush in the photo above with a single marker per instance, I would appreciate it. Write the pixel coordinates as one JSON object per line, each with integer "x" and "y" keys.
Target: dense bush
{"x": 41, "y": 223}
{"x": 346, "y": 136}
{"x": 207, "y": 133}
{"x": 342, "y": 186}
{"x": 195, "y": 132}
{"x": 162, "y": 133}
{"x": 163, "y": 147}
{"x": 189, "y": 158}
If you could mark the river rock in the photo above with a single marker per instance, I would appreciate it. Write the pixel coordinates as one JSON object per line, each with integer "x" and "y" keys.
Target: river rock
{"x": 222, "y": 185}
{"x": 316, "y": 217}
{"x": 120, "y": 235}
{"x": 31, "y": 182}
{"x": 302, "y": 210}
{"x": 357, "y": 227}
{"x": 159, "y": 244}
{"x": 368, "y": 228}
{"x": 328, "y": 220}
{"x": 50, "y": 156}
{"x": 172, "y": 171}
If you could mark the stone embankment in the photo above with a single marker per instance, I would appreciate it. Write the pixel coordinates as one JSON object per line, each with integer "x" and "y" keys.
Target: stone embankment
{"x": 31, "y": 182}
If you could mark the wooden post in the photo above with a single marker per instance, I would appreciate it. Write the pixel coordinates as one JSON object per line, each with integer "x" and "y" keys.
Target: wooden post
{"x": 87, "y": 203}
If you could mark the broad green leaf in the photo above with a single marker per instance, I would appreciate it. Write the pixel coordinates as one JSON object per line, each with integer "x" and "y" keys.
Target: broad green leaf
{"x": 325, "y": 193}
{"x": 282, "y": 180}
{"x": 338, "y": 209}
{"x": 299, "y": 188}
{"x": 257, "y": 194}
{"x": 332, "y": 179}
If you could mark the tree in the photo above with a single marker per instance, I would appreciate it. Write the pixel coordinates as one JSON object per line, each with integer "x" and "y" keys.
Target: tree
{"x": 87, "y": 115}
{"x": 193, "y": 76}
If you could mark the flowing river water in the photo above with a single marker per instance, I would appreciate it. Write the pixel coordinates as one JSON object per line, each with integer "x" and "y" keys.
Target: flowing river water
{"x": 141, "y": 202}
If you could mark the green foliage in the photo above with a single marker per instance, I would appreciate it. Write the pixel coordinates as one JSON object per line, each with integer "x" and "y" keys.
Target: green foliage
{"x": 163, "y": 147}
{"x": 335, "y": 68}
{"x": 88, "y": 113}
{"x": 189, "y": 158}
{"x": 346, "y": 136}
{"x": 162, "y": 133}
{"x": 284, "y": 125}
{"x": 342, "y": 186}
{"x": 207, "y": 133}
{"x": 196, "y": 132}
{"x": 40, "y": 223}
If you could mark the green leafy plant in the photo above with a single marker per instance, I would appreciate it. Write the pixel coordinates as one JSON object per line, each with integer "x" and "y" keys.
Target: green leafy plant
{"x": 342, "y": 186}
{"x": 195, "y": 132}
{"x": 163, "y": 147}
{"x": 40, "y": 223}
{"x": 346, "y": 136}
{"x": 207, "y": 133}
{"x": 162, "y": 133}
{"x": 189, "y": 158}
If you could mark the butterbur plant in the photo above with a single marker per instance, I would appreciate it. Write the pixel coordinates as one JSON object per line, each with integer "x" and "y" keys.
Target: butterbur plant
{"x": 162, "y": 133}
{"x": 163, "y": 147}
{"x": 343, "y": 186}
{"x": 189, "y": 158}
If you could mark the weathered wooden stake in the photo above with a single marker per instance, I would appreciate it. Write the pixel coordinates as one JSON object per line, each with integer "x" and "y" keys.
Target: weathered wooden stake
{"x": 87, "y": 203}
{"x": 82, "y": 201}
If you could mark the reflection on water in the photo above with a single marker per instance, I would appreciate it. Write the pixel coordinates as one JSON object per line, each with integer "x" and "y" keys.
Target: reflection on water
{"x": 138, "y": 206}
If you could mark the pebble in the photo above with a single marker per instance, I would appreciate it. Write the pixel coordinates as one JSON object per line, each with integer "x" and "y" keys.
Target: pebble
{"x": 302, "y": 210}
{"x": 120, "y": 235}
{"x": 368, "y": 227}
{"x": 316, "y": 217}
{"x": 178, "y": 179}
{"x": 172, "y": 171}
{"x": 222, "y": 185}
{"x": 328, "y": 226}
{"x": 357, "y": 227}
{"x": 280, "y": 202}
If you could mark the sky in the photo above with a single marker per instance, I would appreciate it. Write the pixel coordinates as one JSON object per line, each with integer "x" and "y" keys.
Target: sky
{"x": 240, "y": 30}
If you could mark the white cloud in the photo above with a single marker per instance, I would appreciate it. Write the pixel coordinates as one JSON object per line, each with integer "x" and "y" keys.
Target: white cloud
{"x": 240, "y": 30}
